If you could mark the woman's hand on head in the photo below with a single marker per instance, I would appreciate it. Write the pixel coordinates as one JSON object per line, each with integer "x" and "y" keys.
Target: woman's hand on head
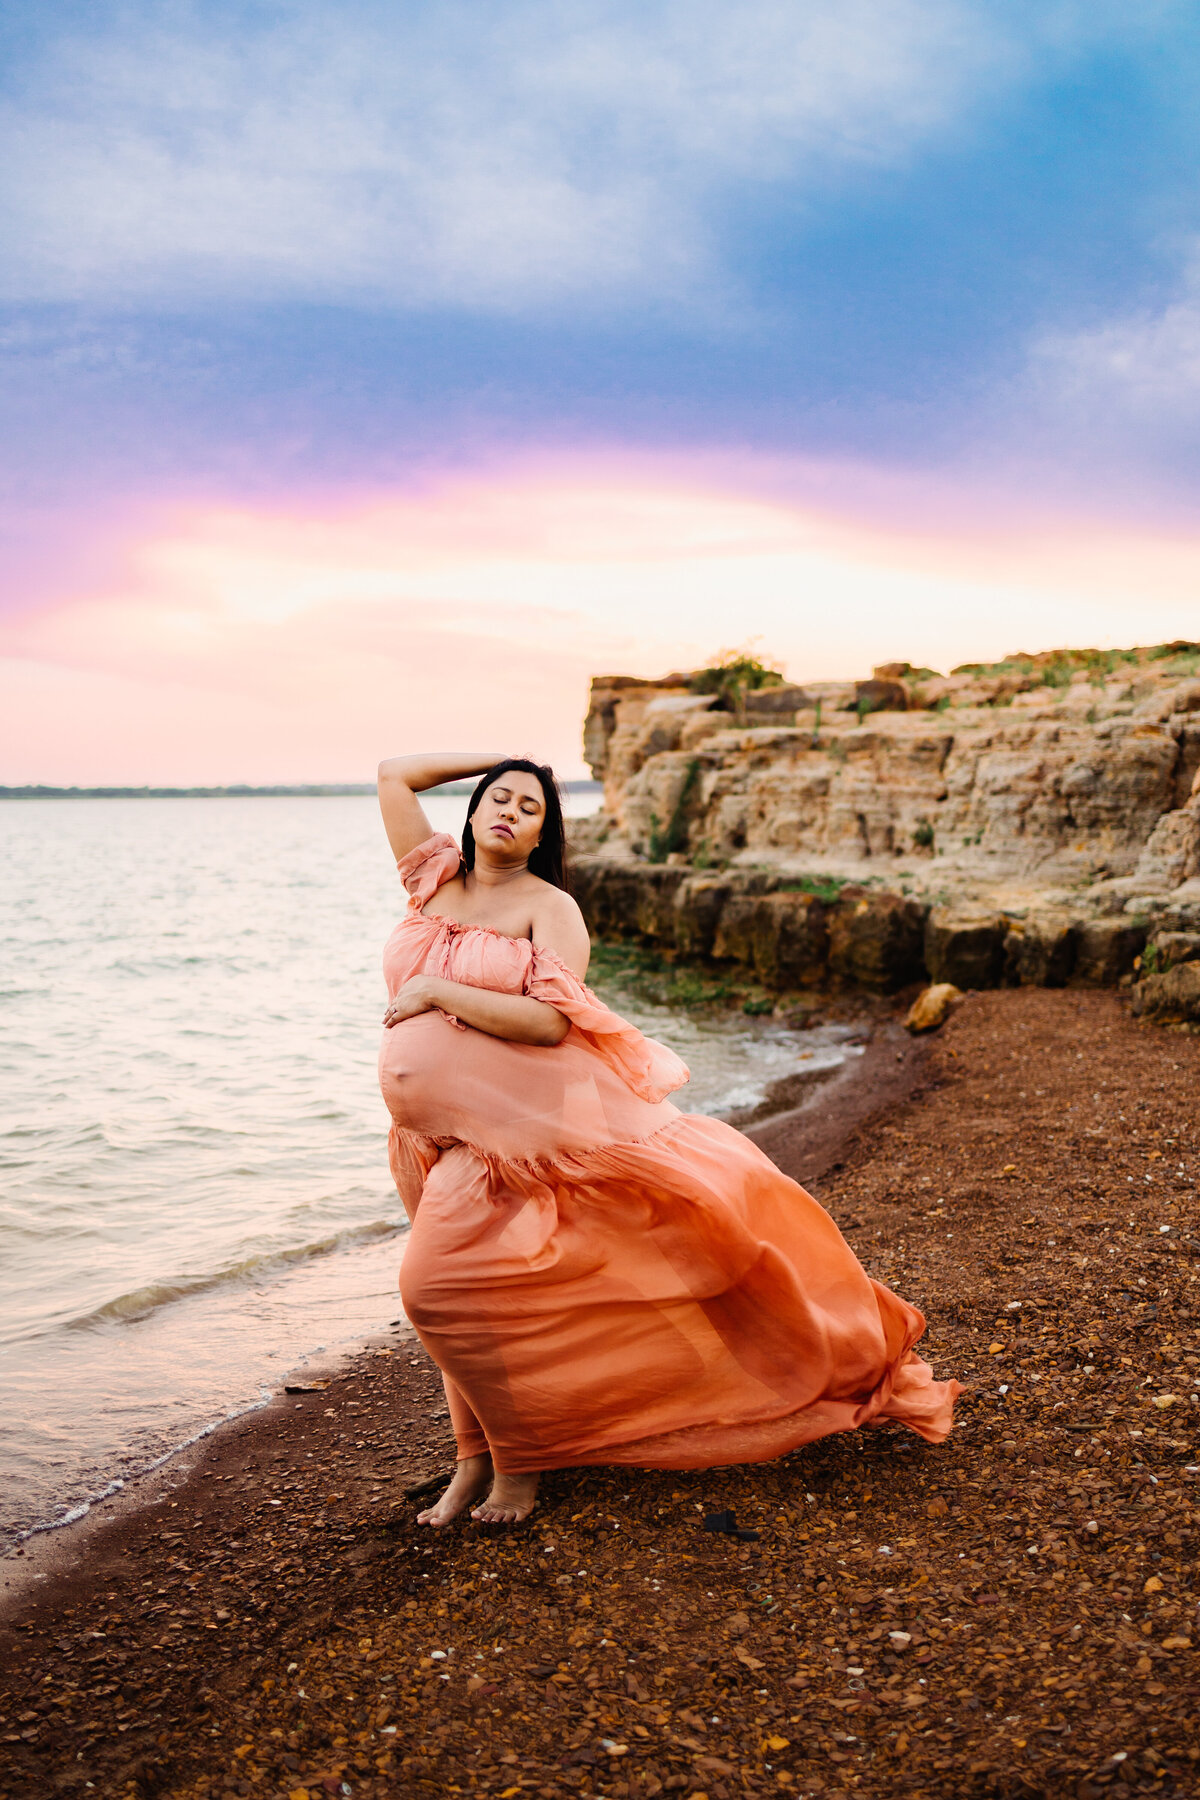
{"x": 402, "y": 778}
{"x": 416, "y": 996}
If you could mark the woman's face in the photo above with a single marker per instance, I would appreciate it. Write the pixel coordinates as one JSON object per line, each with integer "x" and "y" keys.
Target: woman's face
{"x": 508, "y": 821}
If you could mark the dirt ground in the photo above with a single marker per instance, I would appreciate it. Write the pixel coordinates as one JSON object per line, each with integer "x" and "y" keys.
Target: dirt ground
{"x": 1012, "y": 1613}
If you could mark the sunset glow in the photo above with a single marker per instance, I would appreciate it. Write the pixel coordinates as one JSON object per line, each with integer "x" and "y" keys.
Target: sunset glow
{"x": 260, "y": 646}
{"x": 340, "y": 426}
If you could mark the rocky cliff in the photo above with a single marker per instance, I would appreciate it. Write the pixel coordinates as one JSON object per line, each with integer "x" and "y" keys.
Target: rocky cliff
{"x": 1034, "y": 820}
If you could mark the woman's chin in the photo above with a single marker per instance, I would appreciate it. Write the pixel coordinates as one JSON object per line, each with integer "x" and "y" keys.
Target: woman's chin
{"x": 502, "y": 851}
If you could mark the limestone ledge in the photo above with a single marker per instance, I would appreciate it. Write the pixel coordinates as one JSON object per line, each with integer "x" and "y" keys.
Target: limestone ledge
{"x": 1035, "y": 822}
{"x": 876, "y": 938}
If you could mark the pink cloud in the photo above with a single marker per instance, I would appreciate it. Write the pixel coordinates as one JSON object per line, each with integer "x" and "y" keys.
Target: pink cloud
{"x": 303, "y": 642}
{"x": 103, "y": 695}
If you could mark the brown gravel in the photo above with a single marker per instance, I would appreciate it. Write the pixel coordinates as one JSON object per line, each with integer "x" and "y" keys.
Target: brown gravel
{"x": 1014, "y": 1613}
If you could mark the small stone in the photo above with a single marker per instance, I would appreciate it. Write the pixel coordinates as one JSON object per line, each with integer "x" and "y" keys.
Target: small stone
{"x": 933, "y": 1007}
{"x": 1153, "y": 1586}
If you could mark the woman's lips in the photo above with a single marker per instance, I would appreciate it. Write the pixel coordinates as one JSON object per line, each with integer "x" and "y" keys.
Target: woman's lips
{"x": 502, "y": 829}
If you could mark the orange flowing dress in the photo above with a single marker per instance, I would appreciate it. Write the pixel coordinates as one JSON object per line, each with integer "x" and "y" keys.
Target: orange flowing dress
{"x": 600, "y": 1277}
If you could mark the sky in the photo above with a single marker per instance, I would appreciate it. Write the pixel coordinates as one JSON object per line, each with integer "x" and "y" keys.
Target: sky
{"x": 374, "y": 375}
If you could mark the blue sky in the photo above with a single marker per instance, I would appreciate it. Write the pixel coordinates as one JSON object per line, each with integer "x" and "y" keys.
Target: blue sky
{"x": 889, "y": 261}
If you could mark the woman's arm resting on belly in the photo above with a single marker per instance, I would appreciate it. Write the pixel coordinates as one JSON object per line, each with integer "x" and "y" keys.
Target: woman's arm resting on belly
{"x": 511, "y": 1016}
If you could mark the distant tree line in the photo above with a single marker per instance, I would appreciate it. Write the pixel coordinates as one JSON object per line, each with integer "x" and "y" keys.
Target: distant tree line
{"x": 239, "y": 791}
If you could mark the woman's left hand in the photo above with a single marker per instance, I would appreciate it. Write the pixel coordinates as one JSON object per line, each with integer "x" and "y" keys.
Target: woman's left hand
{"x": 416, "y": 996}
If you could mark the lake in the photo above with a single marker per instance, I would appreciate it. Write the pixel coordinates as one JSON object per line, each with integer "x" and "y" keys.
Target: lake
{"x": 194, "y": 1194}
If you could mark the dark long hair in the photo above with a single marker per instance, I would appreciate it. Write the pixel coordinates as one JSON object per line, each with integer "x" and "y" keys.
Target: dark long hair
{"x": 549, "y": 858}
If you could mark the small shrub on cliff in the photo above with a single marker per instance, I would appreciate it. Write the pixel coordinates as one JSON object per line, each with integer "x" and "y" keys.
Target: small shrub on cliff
{"x": 665, "y": 841}
{"x": 734, "y": 673}
{"x": 1057, "y": 674}
{"x": 1011, "y": 665}
{"x": 821, "y": 887}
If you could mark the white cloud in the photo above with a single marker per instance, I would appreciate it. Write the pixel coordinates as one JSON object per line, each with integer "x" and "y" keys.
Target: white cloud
{"x": 487, "y": 158}
{"x": 1145, "y": 363}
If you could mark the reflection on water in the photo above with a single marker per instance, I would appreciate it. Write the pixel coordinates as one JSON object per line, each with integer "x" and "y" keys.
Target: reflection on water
{"x": 192, "y": 1145}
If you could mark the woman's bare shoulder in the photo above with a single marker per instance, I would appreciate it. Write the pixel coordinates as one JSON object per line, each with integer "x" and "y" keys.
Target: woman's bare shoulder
{"x": 552, "y": 902}
{"x": 559, "y": 925}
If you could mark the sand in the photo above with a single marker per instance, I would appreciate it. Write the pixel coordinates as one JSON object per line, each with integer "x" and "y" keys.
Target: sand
{"x": 1012, "y": 1613}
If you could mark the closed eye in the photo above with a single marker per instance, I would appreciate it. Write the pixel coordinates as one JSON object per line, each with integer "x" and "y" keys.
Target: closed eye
{"x": 527, "y": 803}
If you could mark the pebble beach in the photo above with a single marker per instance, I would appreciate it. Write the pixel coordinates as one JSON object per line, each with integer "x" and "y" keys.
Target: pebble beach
{"x": 1012, "y": 1613}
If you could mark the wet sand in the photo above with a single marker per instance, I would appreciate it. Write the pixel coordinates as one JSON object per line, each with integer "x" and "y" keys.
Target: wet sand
{"x": 1012, "y": 1613}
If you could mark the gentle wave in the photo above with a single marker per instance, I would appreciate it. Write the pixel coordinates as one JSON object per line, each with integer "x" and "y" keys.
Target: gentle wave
{"x": 83, "y": 1507}
{"x": 141, "y": 1302}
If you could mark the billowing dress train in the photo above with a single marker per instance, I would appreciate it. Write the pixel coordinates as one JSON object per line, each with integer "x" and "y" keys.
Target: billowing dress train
{"x": 600, "y": 1277}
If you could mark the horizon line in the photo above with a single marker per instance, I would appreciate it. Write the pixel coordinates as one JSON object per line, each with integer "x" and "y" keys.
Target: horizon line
{"x": 315, "y": 790}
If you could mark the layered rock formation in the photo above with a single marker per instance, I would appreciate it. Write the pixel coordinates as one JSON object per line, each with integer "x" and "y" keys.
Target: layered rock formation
{"x": 1033, "y": 821}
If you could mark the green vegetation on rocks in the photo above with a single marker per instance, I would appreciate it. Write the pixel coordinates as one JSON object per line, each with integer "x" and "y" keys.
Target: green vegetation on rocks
{"x": 734, "y": 674}
{"x": 661, "y": 981}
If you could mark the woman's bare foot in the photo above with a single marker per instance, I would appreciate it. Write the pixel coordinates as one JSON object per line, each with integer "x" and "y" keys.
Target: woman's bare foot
{"x": 471, "y": 1479}
{"x": 510, "y": 1500}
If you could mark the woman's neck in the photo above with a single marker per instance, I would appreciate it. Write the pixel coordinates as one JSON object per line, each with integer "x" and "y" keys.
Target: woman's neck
{"x": 494, "y": 875}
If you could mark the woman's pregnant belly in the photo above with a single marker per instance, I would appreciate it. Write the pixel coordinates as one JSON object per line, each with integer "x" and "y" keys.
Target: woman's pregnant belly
{"x": 518, "y": 1101}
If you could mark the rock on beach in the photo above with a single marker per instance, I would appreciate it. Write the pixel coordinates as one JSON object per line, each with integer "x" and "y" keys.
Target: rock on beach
{"x": 932, "y": 1007}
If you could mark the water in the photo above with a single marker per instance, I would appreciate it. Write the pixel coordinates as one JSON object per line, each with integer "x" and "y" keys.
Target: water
{"x": 194, "y": 1195}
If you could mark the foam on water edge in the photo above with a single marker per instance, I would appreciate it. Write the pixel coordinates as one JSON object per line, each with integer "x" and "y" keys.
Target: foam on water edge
{"x": 79, "y": 1511}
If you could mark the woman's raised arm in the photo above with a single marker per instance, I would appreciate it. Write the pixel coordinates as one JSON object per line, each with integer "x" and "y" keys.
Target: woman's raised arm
{"x": 402, "y": 778}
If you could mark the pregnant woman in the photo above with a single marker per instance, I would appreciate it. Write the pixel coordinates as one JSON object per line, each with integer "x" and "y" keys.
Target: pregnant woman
{"x": 600, "y": 1277}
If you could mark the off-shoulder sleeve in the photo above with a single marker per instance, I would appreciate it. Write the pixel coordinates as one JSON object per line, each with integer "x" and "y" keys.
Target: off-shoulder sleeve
{"x": 648, "y": 1068}
{"x": 424, "y": 869}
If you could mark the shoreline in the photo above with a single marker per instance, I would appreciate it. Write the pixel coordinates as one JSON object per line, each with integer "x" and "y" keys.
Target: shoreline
{"x": 162, "y": 1423}
{"x": 845, "y": 1093}
{"x": 276, "y": 1587}
{"x": 61, "y": 1549}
